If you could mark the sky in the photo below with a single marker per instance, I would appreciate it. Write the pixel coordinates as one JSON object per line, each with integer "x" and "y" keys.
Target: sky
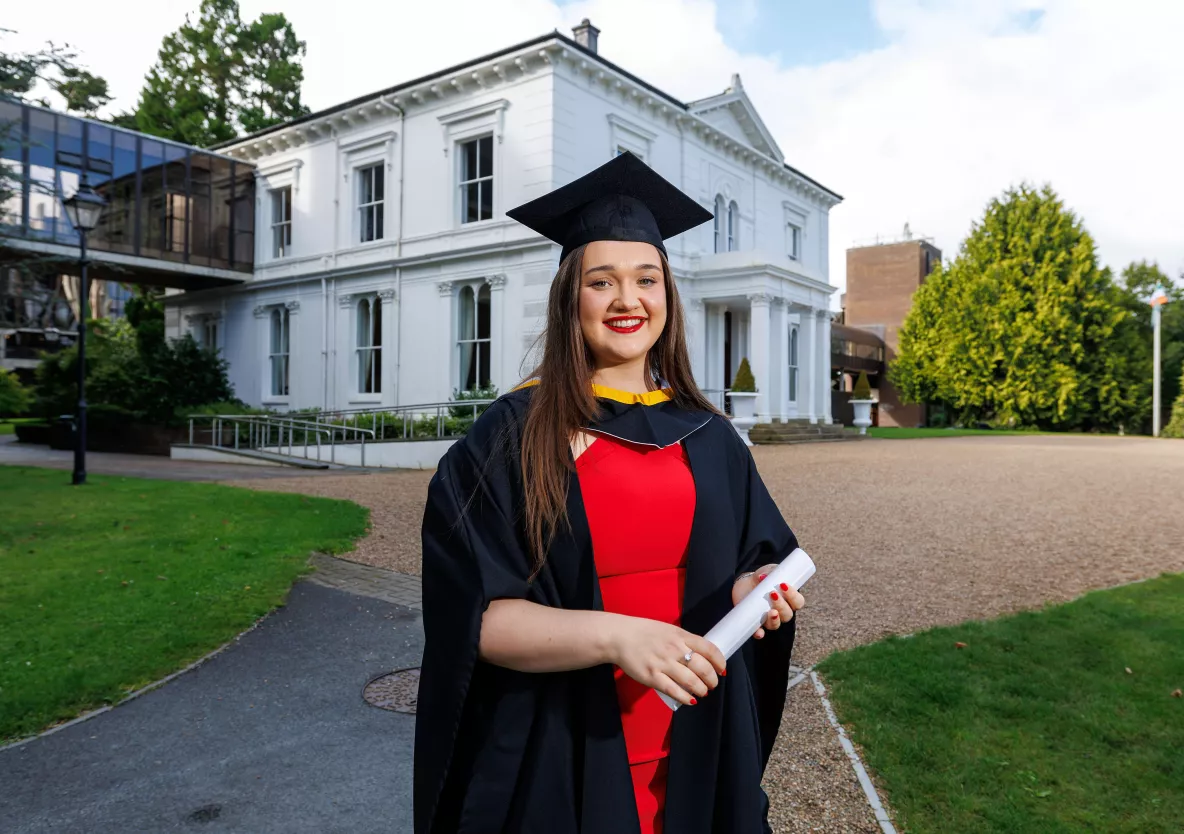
{"x": 916, "y": 111}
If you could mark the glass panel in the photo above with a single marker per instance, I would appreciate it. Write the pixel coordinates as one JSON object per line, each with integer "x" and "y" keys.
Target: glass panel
{"x": 364, "y": 323}
{"x": 465, "y": 324}
{"x": 468, "y": 365}
{"x": 482, "y": 364}
{"x": 151, "y": 198}
{"x": 276, "y": 336}
{"x": 483, "y": 312}
{"x": 220, "y": 206}
{"x": 376, "y": 329}
{"x": 12, "y": 169}
{"x": 486, "y": 208}
{"x": 244, "y": 218}
{"x": 200, "y": 244}
{"x": 471, "y": 202}
{"x": 379, "y": 186}
{"x": 485, "y": 157}
{"x": 469, "y": 161}
{"x": 378, "y": 221}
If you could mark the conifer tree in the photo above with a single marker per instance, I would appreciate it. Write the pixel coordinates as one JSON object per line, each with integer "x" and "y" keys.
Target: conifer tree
{"x": 1022, "y": 328}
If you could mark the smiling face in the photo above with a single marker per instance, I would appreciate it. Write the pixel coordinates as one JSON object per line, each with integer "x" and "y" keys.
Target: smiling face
{"x": 622, "y": 302}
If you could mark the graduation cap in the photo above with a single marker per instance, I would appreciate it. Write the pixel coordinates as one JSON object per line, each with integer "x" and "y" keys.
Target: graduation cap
{"x": 624, "y": 199}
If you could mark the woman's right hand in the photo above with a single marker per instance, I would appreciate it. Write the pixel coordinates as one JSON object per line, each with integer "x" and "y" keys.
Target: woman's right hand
{"x": 652, "y": 652}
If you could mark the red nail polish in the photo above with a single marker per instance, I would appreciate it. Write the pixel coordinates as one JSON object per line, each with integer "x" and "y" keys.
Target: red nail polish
{"x": 774, "y": 595}
{"x": 693, "y": 702}
{"x": 761, "y": 578}
{"x": 724, "y": 673}
{"x": 784, "y": 587}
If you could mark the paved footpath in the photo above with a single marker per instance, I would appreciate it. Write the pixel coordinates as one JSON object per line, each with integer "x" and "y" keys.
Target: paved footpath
{"x": 271, "y": 736}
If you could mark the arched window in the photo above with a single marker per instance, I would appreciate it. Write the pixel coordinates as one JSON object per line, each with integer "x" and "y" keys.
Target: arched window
{"x": 473, "y": 337}
{"x": 733, "y": 226}
{"x": 278, "y": 355}
{"x": 369, "y": 328}
{"x": 719, "y": 223}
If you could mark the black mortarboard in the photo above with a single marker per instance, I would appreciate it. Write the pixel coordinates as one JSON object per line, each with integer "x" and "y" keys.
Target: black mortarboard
{"x": 624, "y": 199}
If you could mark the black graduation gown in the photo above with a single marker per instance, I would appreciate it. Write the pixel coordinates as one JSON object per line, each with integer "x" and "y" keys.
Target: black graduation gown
{"x": 499, "y": 751}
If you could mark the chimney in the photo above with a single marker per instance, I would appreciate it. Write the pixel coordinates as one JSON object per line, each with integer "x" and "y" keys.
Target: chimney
{"x": 586, "y": 35}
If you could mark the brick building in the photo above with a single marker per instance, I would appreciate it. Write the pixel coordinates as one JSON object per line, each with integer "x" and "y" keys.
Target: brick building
{"x": 881, "y": 280}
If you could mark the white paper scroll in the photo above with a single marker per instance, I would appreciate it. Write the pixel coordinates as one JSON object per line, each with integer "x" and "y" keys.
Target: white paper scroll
{"x": 730, "y": 633}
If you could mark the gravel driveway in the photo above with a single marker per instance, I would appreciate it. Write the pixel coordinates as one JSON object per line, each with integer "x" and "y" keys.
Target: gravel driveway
{"x": 907, "y": 534}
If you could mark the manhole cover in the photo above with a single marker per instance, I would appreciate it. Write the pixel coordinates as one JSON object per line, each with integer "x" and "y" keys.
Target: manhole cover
{"x": 397, "y": 691}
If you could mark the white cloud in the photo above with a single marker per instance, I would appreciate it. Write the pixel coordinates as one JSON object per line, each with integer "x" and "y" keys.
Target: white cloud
{"x": 965, "y": 100}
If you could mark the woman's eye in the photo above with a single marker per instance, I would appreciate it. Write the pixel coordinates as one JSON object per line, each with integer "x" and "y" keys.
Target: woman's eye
{"x": 648, "y": 282}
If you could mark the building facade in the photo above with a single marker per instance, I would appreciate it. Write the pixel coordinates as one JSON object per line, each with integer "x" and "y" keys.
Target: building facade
{"x": 387, "y": 274}
{"x": 881, "y": 280}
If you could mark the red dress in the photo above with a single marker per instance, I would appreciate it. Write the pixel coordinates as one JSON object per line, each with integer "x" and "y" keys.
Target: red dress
{"x": 640, "y": 502}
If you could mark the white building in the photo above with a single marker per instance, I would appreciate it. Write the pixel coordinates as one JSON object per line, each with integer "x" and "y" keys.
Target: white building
{"x": 386, "y": 272}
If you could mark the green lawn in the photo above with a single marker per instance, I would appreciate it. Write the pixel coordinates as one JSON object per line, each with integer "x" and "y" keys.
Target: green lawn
{"x": 1034, "y": 726}
{"x": 107, "y": 587}
{"x": 901, "y": 433}
{"x": 8, "y": 426}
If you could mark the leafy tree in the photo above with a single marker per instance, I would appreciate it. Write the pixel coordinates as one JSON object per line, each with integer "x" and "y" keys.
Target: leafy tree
{"x": 56, "y": 67}
{"x": 1022, "y": 328}
{"x": 218, "y": 76}
{"x": 14, "y": 398}
{"x": 1138, "y": 284}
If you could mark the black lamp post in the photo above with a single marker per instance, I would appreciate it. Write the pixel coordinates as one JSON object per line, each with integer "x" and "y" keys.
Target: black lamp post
{"x": 83, "y": 209}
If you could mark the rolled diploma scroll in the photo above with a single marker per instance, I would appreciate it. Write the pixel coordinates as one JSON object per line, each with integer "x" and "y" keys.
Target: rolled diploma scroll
{"x": 730, "y": 633}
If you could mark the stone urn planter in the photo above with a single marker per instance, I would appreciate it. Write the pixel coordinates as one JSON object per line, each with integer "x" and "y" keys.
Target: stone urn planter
{"x": 743, "y": 412}
{"x": 863, "y": 414}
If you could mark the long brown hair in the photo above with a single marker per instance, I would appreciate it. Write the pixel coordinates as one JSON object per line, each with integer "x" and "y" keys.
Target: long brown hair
{"x": 563, "y": 402}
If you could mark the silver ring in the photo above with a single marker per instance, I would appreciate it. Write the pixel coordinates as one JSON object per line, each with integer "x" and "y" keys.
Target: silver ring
{"x": 686, "y": 658}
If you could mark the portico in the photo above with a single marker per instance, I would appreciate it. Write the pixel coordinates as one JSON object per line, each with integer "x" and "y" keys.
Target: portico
{"x": 775, "y": 315}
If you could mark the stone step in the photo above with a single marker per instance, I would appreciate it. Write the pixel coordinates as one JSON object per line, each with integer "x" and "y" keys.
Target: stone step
{"x": 800, "y": 431}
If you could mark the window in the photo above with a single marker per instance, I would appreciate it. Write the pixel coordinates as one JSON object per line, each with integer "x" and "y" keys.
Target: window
{"x": 719, "y": 221}
{"x": 175, "y": 220}
{"x": 793, "y": 364}
{"x": 473, "y": 338}
{"x": 622, "y": 149}
{"x": 370, "y": 346}
{"x": 370, "y": 199}
{"x": 281, "y": 222}
{"x": 793, "y": 241}
{"x": 476, "y": 180}
{"x": 279, "y": 352}
{"x": 209, "y": 334}
{"x": 733, "y": 226}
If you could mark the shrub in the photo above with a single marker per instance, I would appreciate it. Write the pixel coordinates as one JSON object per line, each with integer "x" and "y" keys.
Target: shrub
{"x": 489, "y": 392}
{"x": 14, "y": 398}
{"x": 863, "y": 389}
{"x": 1175, "y": 426}
{"x": 743, "y": 381}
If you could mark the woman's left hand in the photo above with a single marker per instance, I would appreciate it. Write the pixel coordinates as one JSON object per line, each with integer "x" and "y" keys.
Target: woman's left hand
{"x": 785, "y": 600}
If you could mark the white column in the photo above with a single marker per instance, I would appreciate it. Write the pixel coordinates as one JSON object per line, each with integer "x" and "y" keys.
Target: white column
{"x": 758, "y": 352}
{"x": 696, "y": 314}
{"x": 386, "y": 298}
{"x": 823, "y": 366}
{"x": 497, "y": 331}
{"x": 346, "y": 334}
{"x": 777, "y": 353}
{"x": 446, "y": 360}
{"x": 809, "y": 365}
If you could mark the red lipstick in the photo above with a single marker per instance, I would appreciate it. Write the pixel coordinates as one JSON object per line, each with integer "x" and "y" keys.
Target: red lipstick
{"x": 612, "y": 324}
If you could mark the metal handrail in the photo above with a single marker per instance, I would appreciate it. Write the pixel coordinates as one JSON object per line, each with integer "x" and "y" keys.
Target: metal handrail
{"x": 395, "y": 422}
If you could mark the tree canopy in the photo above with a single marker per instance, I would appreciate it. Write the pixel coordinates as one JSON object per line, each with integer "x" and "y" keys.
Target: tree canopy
{"x": 220, "y": 76}
{"x": 56, "y": 67}
{"x": 1023, "y": 328}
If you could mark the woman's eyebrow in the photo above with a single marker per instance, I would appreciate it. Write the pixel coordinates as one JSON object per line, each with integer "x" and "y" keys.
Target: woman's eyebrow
{"x": 613, "y": 268}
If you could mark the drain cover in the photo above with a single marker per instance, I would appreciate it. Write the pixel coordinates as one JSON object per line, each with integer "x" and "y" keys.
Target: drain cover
{"x": 397, "y": 691}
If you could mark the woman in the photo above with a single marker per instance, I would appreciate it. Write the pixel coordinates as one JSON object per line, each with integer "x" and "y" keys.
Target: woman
{"x": 592, "y": 524}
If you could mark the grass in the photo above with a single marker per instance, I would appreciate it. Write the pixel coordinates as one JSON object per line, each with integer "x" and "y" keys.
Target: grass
{"x": 1034, "y": 726}
{"x": 8, "y": 426}
{"x": 108, "y": 587}
{"x": 902, "y": 433}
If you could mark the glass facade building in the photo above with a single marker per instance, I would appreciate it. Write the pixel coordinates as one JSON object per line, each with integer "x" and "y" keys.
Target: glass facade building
{"x": 166, "y": 201}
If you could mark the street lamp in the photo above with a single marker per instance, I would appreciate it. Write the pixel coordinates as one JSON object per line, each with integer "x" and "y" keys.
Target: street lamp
{"x": 84, "y": 210}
